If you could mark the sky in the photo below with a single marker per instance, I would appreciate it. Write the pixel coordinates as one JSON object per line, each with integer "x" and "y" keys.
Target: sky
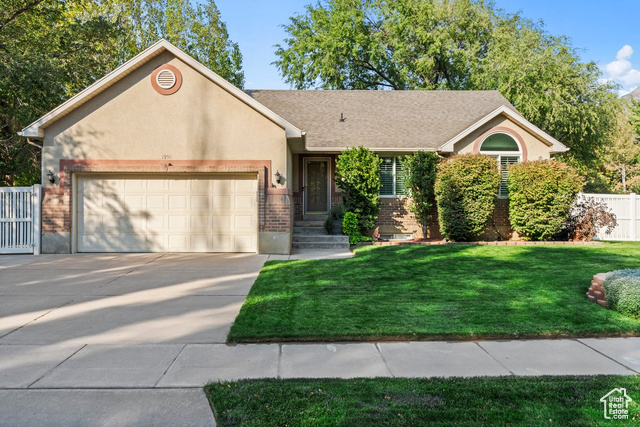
{"x": 606, "y": 32}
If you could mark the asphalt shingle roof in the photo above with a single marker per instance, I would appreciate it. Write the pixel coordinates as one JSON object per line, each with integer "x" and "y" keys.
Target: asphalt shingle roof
{"x": 380, "y": 119}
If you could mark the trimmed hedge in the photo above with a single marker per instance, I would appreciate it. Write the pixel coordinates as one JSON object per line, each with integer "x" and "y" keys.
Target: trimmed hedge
{"x": 358, "y": 175}
{"x": 419, "y": 181}
{"x": 541, "y": 194}
{"x": 466, "y": 190}
{"x": 622, "y": 289}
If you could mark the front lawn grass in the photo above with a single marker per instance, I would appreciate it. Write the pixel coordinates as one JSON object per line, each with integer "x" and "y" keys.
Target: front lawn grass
{"x": 436, "y": 292}
{"x": 498, "y": 401}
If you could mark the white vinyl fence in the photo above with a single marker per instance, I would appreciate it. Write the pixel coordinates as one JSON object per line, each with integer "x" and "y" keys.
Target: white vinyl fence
{"x": 20, "y": 220}
{"x": 627, "y": 210}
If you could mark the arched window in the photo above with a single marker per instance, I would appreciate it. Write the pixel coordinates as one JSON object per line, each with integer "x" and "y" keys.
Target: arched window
{"x": 506, "y": 150}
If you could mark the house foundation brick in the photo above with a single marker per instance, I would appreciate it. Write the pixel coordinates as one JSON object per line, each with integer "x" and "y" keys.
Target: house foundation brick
{"x": 396, "y": 218}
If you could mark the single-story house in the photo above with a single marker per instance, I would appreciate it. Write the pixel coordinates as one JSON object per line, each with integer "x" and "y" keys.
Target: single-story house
{"x": 164, "y": 155}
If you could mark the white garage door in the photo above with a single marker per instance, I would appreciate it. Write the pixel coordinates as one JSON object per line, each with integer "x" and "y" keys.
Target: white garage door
{"x": 161, "y": 214}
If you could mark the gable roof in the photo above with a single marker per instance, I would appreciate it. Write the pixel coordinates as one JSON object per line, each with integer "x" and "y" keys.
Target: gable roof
{"x": 36, "y": 129}
{"x": 391, "y": 120}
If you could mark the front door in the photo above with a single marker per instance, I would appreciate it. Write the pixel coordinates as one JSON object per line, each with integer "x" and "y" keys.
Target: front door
{"x": 316, "y": 191}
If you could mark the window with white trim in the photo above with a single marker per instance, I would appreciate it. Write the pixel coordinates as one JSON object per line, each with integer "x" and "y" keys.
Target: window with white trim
{"x": 506, "y": 150}
{"x": 391, "y": 177}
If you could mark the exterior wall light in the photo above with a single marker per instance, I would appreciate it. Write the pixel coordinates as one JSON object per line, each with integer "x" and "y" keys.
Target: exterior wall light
{"x": 279, "y": 178}
{"x": 51, "y": 177}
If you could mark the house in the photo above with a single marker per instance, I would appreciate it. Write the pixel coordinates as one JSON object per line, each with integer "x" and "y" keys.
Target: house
{"x": 162, "y": 154}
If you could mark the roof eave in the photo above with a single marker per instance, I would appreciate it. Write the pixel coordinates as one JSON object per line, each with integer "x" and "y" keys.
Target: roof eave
{"x": 35, "y": 129}
{"x": 556, "y": 146}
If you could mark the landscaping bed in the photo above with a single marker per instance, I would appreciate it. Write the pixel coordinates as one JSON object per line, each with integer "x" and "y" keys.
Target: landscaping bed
{"x": 398, "y": 401}
{"x": 436, "y": 292}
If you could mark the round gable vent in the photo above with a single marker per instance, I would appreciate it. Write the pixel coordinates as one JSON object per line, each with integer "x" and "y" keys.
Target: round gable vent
{"x": 166, "y": 79}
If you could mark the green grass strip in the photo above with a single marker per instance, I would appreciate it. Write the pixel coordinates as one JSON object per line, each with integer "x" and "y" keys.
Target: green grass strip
{"x": 502, "y": 401}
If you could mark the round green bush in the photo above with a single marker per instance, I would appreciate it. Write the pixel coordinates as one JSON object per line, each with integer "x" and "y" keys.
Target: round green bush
{"x": 541, "y": 194}
{"x": 622, "y": 289}
{"x": 466, "y": 190}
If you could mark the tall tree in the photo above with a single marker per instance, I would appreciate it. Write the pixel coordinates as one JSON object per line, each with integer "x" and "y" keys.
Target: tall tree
{"x": 52, "y": 49}
{"x": 197, "y": 30}
{"x": 452, "y": 44}
{"x": 49, "y": 50}
{"x": 622, "y": 157}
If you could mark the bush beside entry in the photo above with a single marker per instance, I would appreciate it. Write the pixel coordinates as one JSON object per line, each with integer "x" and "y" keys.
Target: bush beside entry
{"x": 466, "y": 189}
{"x": 419, "y": 181}
{"x": 358, "y": 175}
{"x": 541, "y": 194}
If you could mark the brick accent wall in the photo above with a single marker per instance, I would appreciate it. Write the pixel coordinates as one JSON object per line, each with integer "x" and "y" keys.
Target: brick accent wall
{"x": 56, "y": 210}
{"x": 279, "y": 213}
{"x": 274, "y": 204}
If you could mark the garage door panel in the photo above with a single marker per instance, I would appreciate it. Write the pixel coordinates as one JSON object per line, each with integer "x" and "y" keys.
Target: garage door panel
{"x": 178, "y": 202}
{"x": 156, "y": 202}
{"x": 222, "y": 203}
{"x": 243, "y": 223}
{"x": 156, "y": 214}
{"x": 245, "y": 202}
{"x": 243, "y": 243}
{"x": 200, "y": 203}
{"x": 200, "y": 223}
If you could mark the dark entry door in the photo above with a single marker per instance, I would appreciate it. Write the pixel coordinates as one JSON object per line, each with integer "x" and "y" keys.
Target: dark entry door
{"x": 316, "y": 188}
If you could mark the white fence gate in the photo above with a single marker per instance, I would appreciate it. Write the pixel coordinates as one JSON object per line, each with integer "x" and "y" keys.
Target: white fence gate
{"x": 20, "y": 220}
{"x": 627, "y": 210}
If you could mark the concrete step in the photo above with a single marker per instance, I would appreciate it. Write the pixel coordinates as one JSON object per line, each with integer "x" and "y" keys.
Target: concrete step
{"x": 315, "y": 217}
{"x": 320, "y": 245}
{"x": 320, "y": 238}
{"x": 309, "y": 230}
{"x": 308, "y": 223}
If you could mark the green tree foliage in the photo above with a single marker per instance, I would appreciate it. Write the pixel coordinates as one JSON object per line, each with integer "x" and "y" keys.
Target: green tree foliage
{"x": 358, "y": 175}
{"x": 466, "y": 191}
{"x": 621, "y": 158}
{"x": 49, "y": 50}
{"x": 452, "y": 44}
{"x": 52, "y": 49}
{"x": 419, "y": 181}
{"x": 541, "y": 194}
{"x": 198, "y": 30}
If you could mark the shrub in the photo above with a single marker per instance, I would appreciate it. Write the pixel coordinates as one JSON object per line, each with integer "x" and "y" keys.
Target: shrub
{"x": 541, "y": 194}
{"x": 587, "y": 217}
{"x": 466, "y": 189}
{"x": 351, "y": 227}
{"x": 358, "y": 175}
{"x": 419, "y": 181}
{"x": 622, "y": 289}
{"x": 335, "y": 217}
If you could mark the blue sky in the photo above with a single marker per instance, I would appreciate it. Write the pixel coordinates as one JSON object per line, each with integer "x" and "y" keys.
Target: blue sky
{"x": 608, "y": 32}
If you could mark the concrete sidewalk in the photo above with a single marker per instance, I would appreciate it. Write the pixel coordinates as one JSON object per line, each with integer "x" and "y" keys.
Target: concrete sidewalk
{"x": 98, "y": 366}
{"x": 160, "y": 384}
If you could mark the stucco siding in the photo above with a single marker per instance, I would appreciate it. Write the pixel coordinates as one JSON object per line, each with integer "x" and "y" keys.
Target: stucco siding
{"x": 132, "y": 121}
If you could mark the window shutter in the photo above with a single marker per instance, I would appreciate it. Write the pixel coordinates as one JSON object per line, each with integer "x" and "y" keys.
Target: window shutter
{"x": 505, "y": 162}
{"x": 386, "y": 176}
{"x": 399, "y": 177}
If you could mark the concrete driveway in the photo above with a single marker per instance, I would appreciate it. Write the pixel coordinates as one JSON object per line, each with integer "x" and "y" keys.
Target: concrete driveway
{"x": 96, "y": 321}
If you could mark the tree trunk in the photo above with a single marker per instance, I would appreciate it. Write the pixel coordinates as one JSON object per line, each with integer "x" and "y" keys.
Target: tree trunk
{"x": 624, "y": 178}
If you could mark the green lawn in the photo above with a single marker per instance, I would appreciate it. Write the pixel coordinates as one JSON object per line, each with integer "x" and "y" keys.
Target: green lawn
{"x": 436, "y": 292}
{"x": 563, "y": 401}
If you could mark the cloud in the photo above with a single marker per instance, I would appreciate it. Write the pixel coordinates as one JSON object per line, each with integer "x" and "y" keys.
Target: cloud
{"x": 625, "y": 52}
{"x": 621, "y": 70}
